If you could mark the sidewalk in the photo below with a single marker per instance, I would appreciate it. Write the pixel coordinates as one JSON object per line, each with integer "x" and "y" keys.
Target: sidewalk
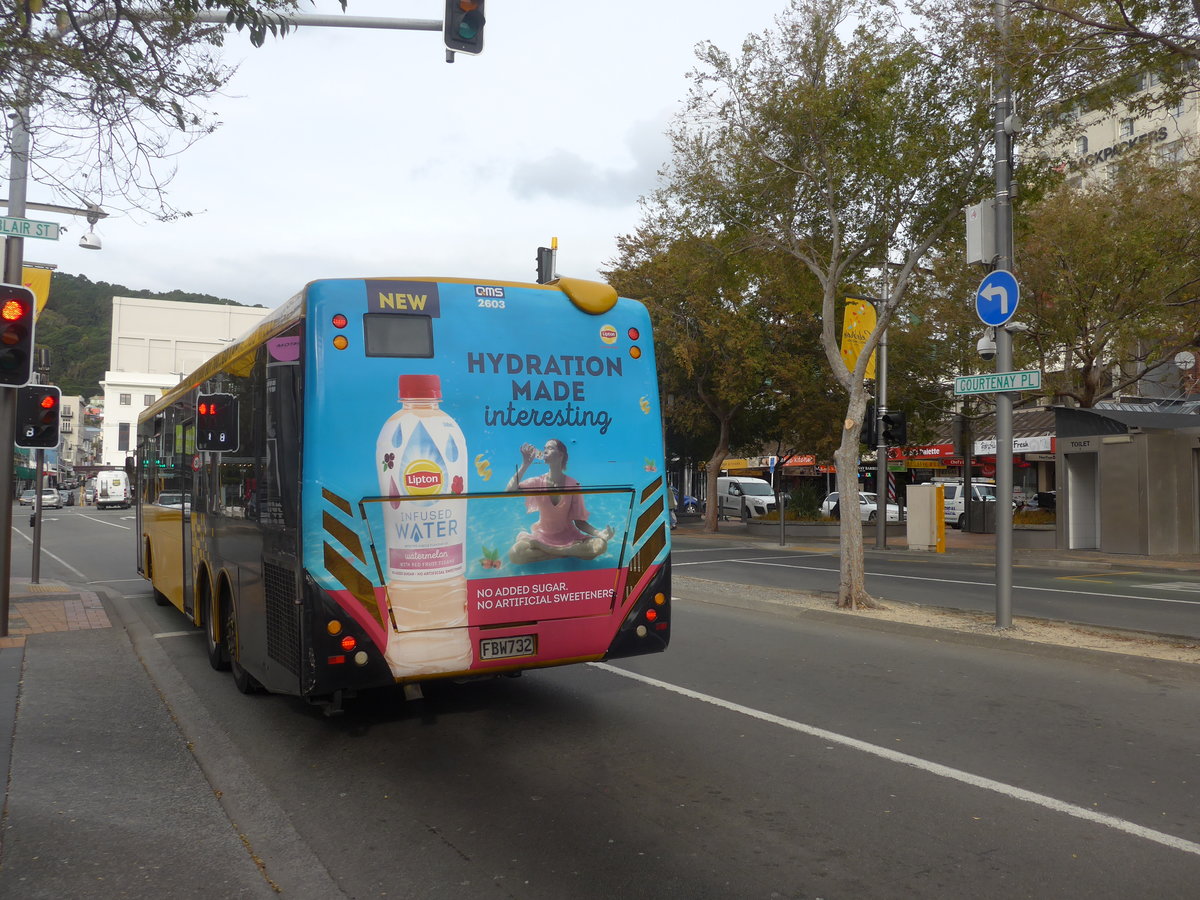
{"x": 105, "y": 796}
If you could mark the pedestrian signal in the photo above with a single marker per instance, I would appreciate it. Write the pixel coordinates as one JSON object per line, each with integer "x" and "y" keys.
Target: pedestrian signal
{"x": 895, "y": 429}
{"x": 462, "y": 28}
{"x": 17, "y": 311}
{"x": 39, "y": 408}
{"x": 216, "y": 422}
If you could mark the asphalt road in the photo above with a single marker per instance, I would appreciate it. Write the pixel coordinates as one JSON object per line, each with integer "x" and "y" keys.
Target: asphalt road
{"x": 1162, "y": 602}
{"x": 768, "y": 753}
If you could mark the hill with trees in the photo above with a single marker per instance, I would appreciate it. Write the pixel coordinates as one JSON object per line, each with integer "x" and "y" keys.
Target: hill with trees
{"x": 76, "y": 326}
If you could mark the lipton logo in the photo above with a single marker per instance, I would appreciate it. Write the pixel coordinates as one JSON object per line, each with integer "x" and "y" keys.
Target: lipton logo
{"x": 608, "y": 334}
{"x": 422, "y": 476}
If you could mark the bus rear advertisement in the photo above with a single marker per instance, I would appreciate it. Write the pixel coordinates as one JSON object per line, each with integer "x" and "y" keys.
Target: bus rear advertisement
{"x": 429, "y": 479}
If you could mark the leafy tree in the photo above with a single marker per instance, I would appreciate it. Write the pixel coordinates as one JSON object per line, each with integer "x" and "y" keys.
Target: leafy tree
{"x": 717, "y": 331}
{"x": 842, "y": 141}
{"x": 109, "y": 89}
{"x": 1113, "y": 276}
{"x": 1135, "y": 30}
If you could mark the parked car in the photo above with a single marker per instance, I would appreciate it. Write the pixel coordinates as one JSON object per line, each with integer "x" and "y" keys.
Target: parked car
{"x": 867, "y": 507}
{"x": 685, "y": 505}
{"x": 51, "y": 499}
{"x": 89, "y": 495}
{"x": 26, "y": 498}
{"x": 736, "y": 492}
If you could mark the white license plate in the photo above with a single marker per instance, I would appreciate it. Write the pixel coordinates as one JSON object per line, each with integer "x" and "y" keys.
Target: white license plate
{"x": 508, "y": 647}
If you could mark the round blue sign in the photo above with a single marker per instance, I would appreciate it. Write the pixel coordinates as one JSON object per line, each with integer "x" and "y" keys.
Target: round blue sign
{"x": 997, "y": 297}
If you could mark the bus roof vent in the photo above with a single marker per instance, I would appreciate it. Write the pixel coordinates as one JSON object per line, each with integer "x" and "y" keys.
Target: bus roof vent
{"x": 591, "y": 296}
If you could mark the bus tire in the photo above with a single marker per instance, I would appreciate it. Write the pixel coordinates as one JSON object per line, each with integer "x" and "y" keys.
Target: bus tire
{"x": 160, "y": 599}
{"x": 210, "y": 616}
{"x": 242, "y": 680}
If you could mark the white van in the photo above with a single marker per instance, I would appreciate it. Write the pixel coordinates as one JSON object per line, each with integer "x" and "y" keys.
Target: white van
{"x": 955, "y": 509}
{"x": 758, "y": 495}
{"x": 112, "y": 489}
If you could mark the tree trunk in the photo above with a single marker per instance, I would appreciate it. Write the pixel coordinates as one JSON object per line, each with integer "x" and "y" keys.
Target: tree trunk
{"x": 852, "y": 590}
{"x": 711, "y": 471}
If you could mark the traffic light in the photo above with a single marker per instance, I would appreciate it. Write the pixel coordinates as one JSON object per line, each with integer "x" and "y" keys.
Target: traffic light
{"x": 867, "y": 435}
{"x": 17, "y": 310}
{"x": 960, "y": 433}
{"x": 462, "y": 28}
{"x": 39, "y": 408}
{"x": 895, "y": 428}
{"x": 545, "y": 265}
{"x": 216, "y": 422}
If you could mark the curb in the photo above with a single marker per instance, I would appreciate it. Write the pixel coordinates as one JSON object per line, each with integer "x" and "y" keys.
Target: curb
{"x": 288, "y": 865}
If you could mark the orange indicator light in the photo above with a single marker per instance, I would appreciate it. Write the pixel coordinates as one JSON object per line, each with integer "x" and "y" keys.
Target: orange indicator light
{"x": 341, "y": 342}
{"x": 635, "y": 352}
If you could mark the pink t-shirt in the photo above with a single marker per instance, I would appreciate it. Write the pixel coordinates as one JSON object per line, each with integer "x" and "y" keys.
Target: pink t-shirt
{"x": 555, "y": 526}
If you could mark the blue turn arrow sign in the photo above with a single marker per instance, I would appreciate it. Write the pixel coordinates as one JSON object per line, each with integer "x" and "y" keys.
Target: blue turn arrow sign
{"x": 997, "y": 297}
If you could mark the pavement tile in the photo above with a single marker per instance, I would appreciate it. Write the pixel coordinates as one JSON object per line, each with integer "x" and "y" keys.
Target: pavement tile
{"x": 50, "y": 607}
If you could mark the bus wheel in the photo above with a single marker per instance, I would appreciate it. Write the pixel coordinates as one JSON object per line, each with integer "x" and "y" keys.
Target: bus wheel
{"x": 217, "y": 657}
{"x": 160, "y": 598}
{"x": 243, "y": 680}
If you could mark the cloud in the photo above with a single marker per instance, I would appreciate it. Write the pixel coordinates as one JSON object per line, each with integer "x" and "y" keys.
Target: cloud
{"x": 566, "y": 174}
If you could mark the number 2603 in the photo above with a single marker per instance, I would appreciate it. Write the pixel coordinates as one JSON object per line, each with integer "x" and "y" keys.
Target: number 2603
{"x": 489, "y": 303}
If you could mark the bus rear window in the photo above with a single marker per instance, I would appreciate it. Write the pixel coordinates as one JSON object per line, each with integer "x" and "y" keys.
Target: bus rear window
{"x": 385, "y": 334}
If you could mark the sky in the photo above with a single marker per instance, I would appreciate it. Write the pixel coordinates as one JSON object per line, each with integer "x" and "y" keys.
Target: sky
{"x": 349, "y": 152}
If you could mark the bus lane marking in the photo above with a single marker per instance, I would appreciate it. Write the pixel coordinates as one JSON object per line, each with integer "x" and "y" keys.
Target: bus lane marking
{"x": 938, "y": 769}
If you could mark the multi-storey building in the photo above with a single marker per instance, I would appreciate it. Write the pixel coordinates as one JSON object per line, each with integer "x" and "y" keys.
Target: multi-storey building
{"x": 154, "y": 344}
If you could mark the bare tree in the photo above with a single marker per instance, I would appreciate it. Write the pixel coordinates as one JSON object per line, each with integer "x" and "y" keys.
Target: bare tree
{"x": 111, "y": 91}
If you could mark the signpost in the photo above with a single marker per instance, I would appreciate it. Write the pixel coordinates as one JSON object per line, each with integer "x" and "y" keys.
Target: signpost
{"x": 998, "y": 382}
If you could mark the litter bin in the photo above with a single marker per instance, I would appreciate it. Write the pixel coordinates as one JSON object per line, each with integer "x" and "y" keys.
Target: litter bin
{"x": 983, "y": 517}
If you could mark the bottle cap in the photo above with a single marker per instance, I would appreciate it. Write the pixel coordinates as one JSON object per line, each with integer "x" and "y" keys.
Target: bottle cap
{"x": 420, "y": 387}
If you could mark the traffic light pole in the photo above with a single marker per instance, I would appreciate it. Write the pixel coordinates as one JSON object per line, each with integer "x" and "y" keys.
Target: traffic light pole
{"x": 35, "y": 567}
{"x": 14, "y": 261}
{"x": 881, "y": 450}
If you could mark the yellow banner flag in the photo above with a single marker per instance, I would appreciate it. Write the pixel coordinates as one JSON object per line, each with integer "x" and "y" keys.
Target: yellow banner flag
{"x": 856, "y": 328}
{"x": 38, "y": 281}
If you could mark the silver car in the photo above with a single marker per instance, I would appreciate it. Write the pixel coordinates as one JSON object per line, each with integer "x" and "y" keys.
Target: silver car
{"x": 867, "y": 507}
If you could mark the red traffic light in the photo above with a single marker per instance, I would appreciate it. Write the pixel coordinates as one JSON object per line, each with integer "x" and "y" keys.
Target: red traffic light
{"x": 13, "y": 310}
{"x": 17, "y": 309}
{"x": 49, "y": 401}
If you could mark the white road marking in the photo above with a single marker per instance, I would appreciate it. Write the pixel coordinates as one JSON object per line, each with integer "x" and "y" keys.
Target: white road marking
{"x": 1021, "y": 587}
{"x": 58, "y": 559}
{"x": 105, "y": 521}
{"x": 924, "y": 765}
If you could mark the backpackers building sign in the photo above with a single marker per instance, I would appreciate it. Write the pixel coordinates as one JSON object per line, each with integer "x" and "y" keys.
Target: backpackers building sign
{"x": 1158, "y": 134}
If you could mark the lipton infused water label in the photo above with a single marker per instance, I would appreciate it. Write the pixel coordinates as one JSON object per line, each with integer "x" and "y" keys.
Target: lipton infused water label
{"x": 422, "y": 463}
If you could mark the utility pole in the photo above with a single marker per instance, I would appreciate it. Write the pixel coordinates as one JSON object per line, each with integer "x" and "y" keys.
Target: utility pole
{"x": 1005, "y": 126}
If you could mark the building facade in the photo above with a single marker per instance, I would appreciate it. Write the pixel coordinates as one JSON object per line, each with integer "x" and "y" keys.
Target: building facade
{"x": 155, "y": 343}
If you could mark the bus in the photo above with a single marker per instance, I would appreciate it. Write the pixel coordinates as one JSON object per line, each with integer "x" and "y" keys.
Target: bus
{"x": 394, "y": 480}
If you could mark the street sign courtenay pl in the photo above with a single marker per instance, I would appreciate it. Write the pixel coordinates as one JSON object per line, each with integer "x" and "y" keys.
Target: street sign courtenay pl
{"x": 998, "y": 382}
{"x": 11, "y": 226}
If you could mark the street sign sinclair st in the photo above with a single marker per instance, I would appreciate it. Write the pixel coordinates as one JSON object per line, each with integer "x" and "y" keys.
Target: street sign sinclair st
{"x": 997, "y": 297}
{"x": 998, "y": 382}
{"x": 11, "y": 226}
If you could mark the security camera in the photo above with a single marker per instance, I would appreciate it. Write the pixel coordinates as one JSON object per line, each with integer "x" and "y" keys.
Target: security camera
{"x": 1016, "y": 328}
{"x": 986, "y": 346}
{"x": 90, "y": 241}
